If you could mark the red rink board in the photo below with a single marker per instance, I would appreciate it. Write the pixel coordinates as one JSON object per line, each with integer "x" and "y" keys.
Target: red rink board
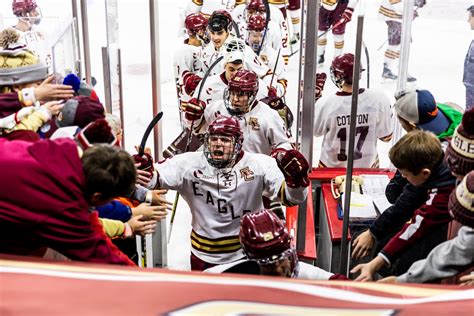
{"x": 38, "y": 288}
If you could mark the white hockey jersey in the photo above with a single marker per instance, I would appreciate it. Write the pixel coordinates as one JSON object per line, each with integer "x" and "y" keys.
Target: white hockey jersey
{"x": 206, "y": 7}
{"x": 186, "y": 58}
{"x": 263, "y": 128}
{"x": 252, "y": 62}
{"x": 269, "y": 56}
{"x": 332, "y": 120}
{"x": 36, "y": 42}
{"x": 306, "y": 271}
{"x": 218, "y": 200}
{"x": 276, "y": 18}
{"x": 331, "y": 5}
{"x": 214, "y": 88}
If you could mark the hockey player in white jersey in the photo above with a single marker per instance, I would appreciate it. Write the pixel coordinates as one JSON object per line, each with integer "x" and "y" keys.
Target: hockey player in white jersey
{"x": 333, "y": 16}
{"x": 29, "y": 17}
{"x": 270, "y": 56}
{"x": 206, "y": 7}
{"x": 223, "y": 182}
{"x": 263, "y": 129}
{"x": 265, "y": 239}
{"x": 186, "y": 59}
{"x": 219, "y": 25}
{"x": 215, "y": 85}
{"x": 277, "y": 25}
{"x": 332, "y": 118}
{"x": 257, "y": 8}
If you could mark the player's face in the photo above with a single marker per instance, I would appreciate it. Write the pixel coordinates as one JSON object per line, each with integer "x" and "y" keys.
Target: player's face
{"x": 221, "y": 147}
{"x": 255, "y": 38}
{"x": 218, "y": 37}
{"x": 231, "y": 68}
{"x": 471, "y": 20}
{"x": 239, "y": 100}
{"x": 280, "y": 268}
{"x": 416, "y": 179}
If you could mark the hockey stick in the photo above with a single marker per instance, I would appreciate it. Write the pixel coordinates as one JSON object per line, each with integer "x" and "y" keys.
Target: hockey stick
{"x": 148, "y": 130}
{"x": 236, "y": 27}
{"x": 267, "y": 16}
{"x": 368, "y": 63}
{"x": 188, "y": 142}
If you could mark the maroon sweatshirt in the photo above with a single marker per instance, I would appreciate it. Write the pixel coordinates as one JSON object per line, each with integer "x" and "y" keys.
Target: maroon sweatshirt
{"x": 42, "y": 203}
{"x": 9, "y": 104}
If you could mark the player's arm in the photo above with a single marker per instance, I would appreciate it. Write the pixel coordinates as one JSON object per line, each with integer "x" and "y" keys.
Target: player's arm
{"x": 295, "y": 169}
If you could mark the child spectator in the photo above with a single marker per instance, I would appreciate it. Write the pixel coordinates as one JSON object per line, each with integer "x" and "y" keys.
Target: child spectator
{"x": 419, "y": 157}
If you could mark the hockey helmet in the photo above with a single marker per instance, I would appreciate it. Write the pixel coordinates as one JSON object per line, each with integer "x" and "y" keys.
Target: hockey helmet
{"x": 243, "y": 82}
{"x": 195, "y": 22}
{"x": 225, "y": 153}
{"x": 264, "y": 237}
{"x": 342, "y": 69}
{"x": 23, "y": 6}
{"x": 256, "y": 6}
{"x": 220, "y": 20}
{"x": 196, "y": 25}
{"x": 256, "y": 23}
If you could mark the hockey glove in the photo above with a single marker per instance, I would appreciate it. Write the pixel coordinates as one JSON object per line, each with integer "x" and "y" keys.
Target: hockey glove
{"x": 145, "y": 161}
{"x": 194, "y": 109}
{"x": 294, "y": 167}
{"x": 320, "y": 81}
{"x": 191, "y": 81}
{"x": 346, "y": 16}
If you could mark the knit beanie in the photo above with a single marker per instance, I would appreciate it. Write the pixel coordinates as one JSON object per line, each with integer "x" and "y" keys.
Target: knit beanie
{"x": 97, "y": 132}
{"x": 80, "y": 111}
{"x": 18, "y": 65}
{"x": 80, "y": 87}
{"x": 460, "y": 151}
{"x": 461, "y": 201}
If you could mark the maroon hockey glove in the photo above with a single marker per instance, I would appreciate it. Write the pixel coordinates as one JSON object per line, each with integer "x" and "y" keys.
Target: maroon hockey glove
{"x": 194, "y": 110}
{"x": 191, "y": 81}
{"x": 346, "y": 16}
{"x": 294, "y": 166}
{"x": 145, "y": 161}
{"x": 276, "y": 103}
{"x": 320, "y": 81}
{"x": 272, "y": 92}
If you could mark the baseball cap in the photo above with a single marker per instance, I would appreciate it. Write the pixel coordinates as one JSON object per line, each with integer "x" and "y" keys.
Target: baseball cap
{"x": 419, "y": 107}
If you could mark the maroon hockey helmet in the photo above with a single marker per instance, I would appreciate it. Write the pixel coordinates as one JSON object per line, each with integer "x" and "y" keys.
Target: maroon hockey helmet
{"x": 242, "y": 82}
{"x": 256, "y": 5}
{"x": 220, "y": 20}
{"x": 342, "y": 69}
{"x": 264, "y": 237}
{"x": 23, "y": 6}
{"x": 256, "y": 23}
{"x": 224, "y": 126}
{"x": 195, "y": 22}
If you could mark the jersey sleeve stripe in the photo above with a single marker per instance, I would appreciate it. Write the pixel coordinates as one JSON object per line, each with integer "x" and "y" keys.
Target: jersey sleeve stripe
{"x": 215, "y": 241}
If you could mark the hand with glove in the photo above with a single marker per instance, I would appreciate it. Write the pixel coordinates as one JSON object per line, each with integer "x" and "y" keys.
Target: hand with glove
{"x": 194, "y": 109}
{"x": 144, "y": 163}
{"x": 294, "y": 167}
{"x": 346, "y": 16}
{"x": 191, "y": 81}
{"x": 320, "y": 82}
{"x": 272, "y": 92}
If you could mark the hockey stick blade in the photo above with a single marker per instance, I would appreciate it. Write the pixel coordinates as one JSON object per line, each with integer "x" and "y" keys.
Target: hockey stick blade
{"x": 148, "y": 130}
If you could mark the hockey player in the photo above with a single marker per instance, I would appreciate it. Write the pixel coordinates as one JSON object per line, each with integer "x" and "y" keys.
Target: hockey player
{"x": 29, "y": 16}
{"x": 219, "y": 25}
{"x": 224, "y": 182}
{"x": 294, "y": 10}
{"x": 392, "y": 11}
{"x": 207, "y": 7}
{"x": 335, "y": 15}
{"x": 265, "y": 239}
{"x": 262, "y": 127}
{"x": 187, "y": 57}
{"x": 241, "y": 15}
{"x": 332, "y": 118}
{"x": 255, "y": 36}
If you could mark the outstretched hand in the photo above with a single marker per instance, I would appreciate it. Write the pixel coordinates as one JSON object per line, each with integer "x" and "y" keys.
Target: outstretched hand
{"x": 50, "y": 91}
